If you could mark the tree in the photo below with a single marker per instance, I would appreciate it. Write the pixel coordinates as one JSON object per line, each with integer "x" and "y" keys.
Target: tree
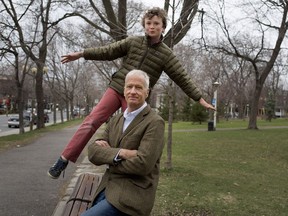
{"x": 199, "y": 113}
{"x": 187, "y": 110}
{"x": 19, "y": 76}
{"x": 270, "y": 107}
{"x": 33, "y": 29}
{"x": 269, "y": 16}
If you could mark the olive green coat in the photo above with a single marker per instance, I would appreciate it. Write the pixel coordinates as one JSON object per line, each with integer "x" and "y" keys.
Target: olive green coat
{"x": 152, "y": 59}
{"x": 131, "y": 185}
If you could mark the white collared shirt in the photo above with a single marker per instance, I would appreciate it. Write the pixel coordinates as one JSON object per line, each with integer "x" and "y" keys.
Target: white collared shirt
{"x": 130, "y": 116}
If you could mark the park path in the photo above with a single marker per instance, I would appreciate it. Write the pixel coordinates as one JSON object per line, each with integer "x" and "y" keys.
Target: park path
{"x": 25, "y": 188}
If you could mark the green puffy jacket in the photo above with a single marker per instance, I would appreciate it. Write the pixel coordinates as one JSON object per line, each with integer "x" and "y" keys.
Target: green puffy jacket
{"x": 137, "y": 53}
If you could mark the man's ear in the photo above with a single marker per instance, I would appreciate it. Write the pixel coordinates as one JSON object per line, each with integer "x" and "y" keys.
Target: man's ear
{"x": 147, "y": 93}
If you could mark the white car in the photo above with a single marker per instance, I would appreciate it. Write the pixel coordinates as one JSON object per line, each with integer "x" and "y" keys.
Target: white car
{"x": 13, "y": 121}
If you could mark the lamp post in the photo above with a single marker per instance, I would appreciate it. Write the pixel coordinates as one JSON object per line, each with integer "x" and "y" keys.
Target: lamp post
{"x": 214, "y": 102}
{"x": 247, "y": 110}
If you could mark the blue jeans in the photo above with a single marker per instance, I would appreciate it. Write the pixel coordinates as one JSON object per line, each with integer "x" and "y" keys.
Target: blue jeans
{"x": 101, "y": 207}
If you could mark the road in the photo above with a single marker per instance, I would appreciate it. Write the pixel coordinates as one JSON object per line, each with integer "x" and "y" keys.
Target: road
{"x": 25, "y": 188}
{"x": 4, "y": 130}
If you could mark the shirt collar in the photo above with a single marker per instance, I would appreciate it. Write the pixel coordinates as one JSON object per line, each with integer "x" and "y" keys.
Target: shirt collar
{"x": 135, "y": 112}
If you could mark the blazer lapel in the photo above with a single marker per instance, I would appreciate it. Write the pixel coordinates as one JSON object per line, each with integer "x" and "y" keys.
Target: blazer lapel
{"x": 137, "y": 120}
{"x": 119, "y": 130}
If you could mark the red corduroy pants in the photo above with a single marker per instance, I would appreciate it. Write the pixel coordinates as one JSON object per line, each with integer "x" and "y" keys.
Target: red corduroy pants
{"x": 110, "y": 102}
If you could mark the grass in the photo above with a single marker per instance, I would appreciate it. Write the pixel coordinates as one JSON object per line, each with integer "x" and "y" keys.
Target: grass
{"x": 226, "y": 172}
{"x": 235, "y": 123}
{"x": 216, "y": 173}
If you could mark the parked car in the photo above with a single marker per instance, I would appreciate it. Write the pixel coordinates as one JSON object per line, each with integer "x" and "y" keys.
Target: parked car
{"x": 13, "y": 121}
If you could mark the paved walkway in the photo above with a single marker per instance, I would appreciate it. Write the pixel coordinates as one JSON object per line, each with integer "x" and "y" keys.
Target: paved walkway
{"x": 25, "y": 188}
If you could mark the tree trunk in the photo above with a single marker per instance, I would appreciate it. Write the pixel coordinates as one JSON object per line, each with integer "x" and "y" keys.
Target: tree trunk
{"x": 39, "y": 97}
{"x": 54, "y": 113}
{"x": 21, "y": 109}
{"x": 168, "y": 164}
{"x": 254, "y": 106}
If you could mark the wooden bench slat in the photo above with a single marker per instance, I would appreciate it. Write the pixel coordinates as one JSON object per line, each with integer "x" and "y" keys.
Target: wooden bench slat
{"x": 89, "y": 184}
{"x": 96, "y": 182}
{"x": 76, "y": 208}
{"x": 83, "y": 207}
{"x": 82, "y": 194}
{"x": 77, "y": 186}
{"x": 68, "y": 209}
{"x": 92, "y": 186}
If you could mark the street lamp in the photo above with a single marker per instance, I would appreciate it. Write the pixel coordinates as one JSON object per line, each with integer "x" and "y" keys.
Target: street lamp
{"x": 247, "y": 110}
{"x": 214, "y": 102}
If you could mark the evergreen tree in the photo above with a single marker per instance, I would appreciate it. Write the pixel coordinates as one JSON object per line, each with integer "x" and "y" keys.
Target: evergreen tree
{"x": 199, "y": 113}
{"x": 164, "y": 109}
{"x": 270, "y": 107}
{"x": 187, "y": 110}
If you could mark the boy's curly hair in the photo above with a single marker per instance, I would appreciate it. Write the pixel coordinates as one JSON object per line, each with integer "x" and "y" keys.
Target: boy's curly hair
{"x": 155, "y": 11}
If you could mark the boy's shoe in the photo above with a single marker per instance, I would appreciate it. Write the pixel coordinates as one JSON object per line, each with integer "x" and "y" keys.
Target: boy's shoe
{"x": 55, "y": 171}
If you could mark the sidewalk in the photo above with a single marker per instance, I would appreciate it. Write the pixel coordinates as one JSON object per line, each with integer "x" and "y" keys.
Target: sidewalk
{"x": 25, "y": 168}
{"x": 84, "y": 167}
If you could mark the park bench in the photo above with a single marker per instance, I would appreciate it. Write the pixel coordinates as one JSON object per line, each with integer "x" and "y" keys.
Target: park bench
{"x": 82, "y": 194}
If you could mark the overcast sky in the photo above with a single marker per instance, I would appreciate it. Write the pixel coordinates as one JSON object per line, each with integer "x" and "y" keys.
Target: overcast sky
{"x": 232, "y": 14}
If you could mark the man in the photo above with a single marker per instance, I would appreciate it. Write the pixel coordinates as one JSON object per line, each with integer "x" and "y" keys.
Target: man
{"x": 131, "y": 145}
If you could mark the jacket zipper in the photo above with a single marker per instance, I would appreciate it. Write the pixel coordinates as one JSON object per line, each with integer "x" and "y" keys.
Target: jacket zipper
{"x": 142, "y": 60}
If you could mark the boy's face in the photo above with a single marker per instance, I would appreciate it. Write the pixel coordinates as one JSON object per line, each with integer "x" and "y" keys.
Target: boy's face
{"x": 154, "y": 27}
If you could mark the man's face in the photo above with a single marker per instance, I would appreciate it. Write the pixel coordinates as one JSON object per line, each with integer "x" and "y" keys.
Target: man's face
{"x": 135, "y": 92}
{"x": 154, "y": 27}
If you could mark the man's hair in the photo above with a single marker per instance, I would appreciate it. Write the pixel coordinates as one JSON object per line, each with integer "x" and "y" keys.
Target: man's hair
{"x": 139, "y": 73}
{"x": 155, "y": 11}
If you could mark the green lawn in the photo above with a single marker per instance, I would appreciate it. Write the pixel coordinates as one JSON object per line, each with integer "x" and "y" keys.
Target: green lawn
{"x": 235, "y": 123}
{"x": 226, "y": 172}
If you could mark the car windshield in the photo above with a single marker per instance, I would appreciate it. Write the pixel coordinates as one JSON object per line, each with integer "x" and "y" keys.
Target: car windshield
{"x": 14, "y": 118}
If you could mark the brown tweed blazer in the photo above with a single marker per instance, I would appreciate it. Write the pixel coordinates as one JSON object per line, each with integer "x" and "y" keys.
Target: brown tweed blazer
{"x": 131, "y": 185}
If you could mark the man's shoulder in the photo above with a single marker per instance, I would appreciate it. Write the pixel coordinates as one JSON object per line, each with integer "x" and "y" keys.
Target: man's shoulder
{"x": 152, "y": 113}
{"x": 115, "y": 117}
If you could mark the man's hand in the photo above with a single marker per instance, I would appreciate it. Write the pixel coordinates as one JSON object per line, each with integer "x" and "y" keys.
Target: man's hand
{"x": 126, "y": 153}
{"x": 102, "y": 143}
